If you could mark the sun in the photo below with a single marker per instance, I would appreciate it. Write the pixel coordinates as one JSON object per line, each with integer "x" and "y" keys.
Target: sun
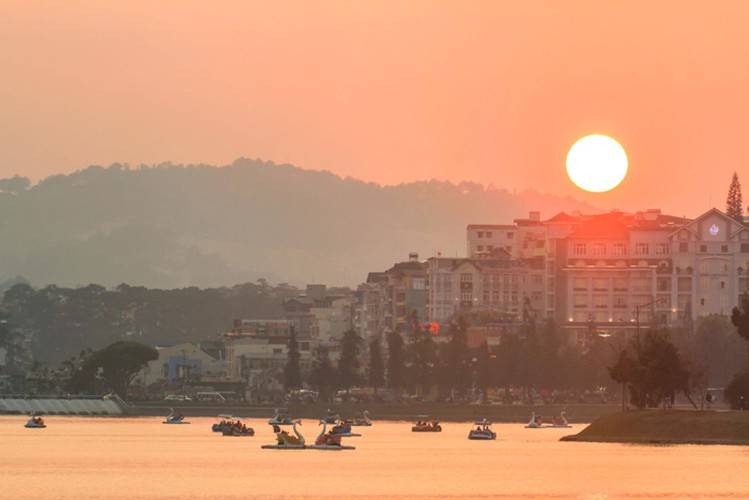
{"x": 596, "y": 163}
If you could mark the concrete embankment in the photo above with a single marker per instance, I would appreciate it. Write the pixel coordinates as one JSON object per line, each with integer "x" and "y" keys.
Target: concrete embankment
{"x": 63, "y": 405}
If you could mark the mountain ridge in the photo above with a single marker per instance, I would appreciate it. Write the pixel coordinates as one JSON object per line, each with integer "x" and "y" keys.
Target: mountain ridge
{"x": 167, "y": 226}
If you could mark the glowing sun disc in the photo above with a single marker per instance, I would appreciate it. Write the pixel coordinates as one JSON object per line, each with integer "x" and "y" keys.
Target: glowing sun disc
{"x": 596, "y": 163}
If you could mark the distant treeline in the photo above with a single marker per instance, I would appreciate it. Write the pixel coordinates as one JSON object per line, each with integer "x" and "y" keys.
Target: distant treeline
{"x": 65, "y": 321}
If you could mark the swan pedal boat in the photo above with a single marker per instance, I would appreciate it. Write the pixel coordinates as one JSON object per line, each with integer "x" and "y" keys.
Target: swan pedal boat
{"x": 280, "y": 417}
{"x": 482, "y": 431}
{"x": 35, "y": 423}
{"x": 286, "y": 441}
{"x": 364, "y": 420}
{"x": 328, "y": 440}
{"x": 173, "y": 418}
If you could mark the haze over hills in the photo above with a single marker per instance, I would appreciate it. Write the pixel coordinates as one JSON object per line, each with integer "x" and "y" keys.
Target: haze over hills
{"x": 173, "y": 226}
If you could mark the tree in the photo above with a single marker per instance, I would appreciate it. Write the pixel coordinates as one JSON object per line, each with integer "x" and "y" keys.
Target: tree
{"x": 396, "y": 362}
{"x": 737, "y": 391}
{"x": 740, "y": 316}
{"x": 376, "y": 365}
{"x": 483, "y": 369}
{"x": 734, "y": 207}
{"x": 116, "y": 366}
{"x": 292, "y": 371}
{"x": 322, "y": 375}
{"x": 653, "y": 369}
{"x": 457, "y": 358}
{"x": 348, "y": 365}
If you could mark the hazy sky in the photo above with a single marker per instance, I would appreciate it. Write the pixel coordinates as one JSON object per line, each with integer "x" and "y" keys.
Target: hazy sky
{"x": 385, "y": 91}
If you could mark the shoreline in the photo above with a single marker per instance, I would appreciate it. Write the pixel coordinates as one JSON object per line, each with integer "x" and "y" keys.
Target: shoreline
{"x": 668, "y": 427}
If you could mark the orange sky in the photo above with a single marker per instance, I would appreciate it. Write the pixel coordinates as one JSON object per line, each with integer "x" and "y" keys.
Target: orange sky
{"x": 386, "y": 91}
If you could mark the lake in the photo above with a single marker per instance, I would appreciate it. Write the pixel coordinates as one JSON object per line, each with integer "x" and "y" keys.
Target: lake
{"x": 140, "y": 458}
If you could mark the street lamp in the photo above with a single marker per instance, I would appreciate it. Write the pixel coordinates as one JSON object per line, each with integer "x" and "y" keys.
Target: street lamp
{"x": 637, "y": 315}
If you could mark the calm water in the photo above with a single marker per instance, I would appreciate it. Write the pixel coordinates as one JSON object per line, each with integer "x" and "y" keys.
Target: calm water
{"x": 77, "y": 457}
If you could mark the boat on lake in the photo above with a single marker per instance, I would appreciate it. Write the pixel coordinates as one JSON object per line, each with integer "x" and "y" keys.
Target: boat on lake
{"x": 426, "y": 424}
{"x": 281, "y": 417}
{"x": 175, "y": 418}
{"x": 237, "y": 428}
{"x": 362, "y": 420}
{"x": 285, "y": 440}
{"x": 482, "y": 431}
{"x": 35, "y": 422}
{"x": 328, "y": 440}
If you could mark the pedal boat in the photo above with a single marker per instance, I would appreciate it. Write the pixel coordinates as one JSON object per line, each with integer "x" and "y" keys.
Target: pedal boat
{"x": 237, "y": 428}
{"x": 482, "y": 431}
{"x": 427, "y": 425}
{"x": 286, "y": 441}
{"x": 175, "y": 418}
{"x": 364, "y": 420}
{"x": 536, "y": 422}
{"x": 35, "y": 422}
{"x": 280, "y": 417}
{"x": 328, "y": 441}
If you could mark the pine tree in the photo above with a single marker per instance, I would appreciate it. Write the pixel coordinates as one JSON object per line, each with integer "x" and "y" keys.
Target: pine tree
{"x": 376, "y": 365}
{"x": 348, "y": 364}
{"x": 292, "y": 371}
{"x": 734, "y": 202}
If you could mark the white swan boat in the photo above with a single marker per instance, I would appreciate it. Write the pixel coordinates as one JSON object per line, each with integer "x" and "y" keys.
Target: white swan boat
{"x": 364, "y": 420}
{"x": 536, "y": 422}
{"x": 280, "y": 417}
{"x": 328, "y": 441}
{"x": 175, "y": 418}
{"x": 482, "y": 431}
{"x": 560, "y": 421}
{"x": 286, "y": 441}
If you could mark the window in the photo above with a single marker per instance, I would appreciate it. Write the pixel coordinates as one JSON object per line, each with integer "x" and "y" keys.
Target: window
{"x": 641, "y": 249}
{"x": 620, "y": 284}
{"x": 620, "y": 249}
{"x": 510, "y": 235}
{"x": 580, "y": 283}
{"x": 620, "y": 301}
{"x": 661, "y": 249}
{"x": 600, "y": 301}
{"x": 599, "y": 248}
{"x": 664, "y": 284}
{"x": 684, "y": 285}
{"x": 481, "y": 234}
{"x": 480, "y": 248}
{"x": 703, "y": 248}
{"x": 684, "y": 247}
{"x": 580, "y": 300}
{"x": 745, "y": 248}
{"x": 579, "y": 249}
{"x": 495, "y": 296}
{"x": 724, "y": 248}
{"x": 466, "y": 277}
{"x": 488, "y": 234}
{"x": 600, "y": 284}
{"x": 466, "y": 297}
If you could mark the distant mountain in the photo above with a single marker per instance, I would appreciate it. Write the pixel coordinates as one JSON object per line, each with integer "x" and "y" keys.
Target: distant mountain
{"x": 173, "y": 226}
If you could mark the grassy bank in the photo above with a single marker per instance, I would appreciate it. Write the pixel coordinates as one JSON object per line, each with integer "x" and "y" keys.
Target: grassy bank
{"x": 668, "y": 427}
{"x": 446, "y": 412}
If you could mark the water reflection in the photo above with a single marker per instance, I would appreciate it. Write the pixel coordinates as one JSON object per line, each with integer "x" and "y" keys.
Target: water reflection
{"x": 115, "y": 458}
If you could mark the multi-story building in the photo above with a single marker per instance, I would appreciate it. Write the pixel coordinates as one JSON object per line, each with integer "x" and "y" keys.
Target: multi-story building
{"x": 494, "y": 283}
{"x": 618, "y": 272}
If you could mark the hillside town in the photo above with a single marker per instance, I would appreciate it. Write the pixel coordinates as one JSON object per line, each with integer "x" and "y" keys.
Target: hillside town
{"x": 610, "y": 275}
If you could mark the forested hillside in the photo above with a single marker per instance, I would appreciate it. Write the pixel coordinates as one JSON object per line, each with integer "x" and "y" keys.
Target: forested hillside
{"x": 172, "y": 226}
